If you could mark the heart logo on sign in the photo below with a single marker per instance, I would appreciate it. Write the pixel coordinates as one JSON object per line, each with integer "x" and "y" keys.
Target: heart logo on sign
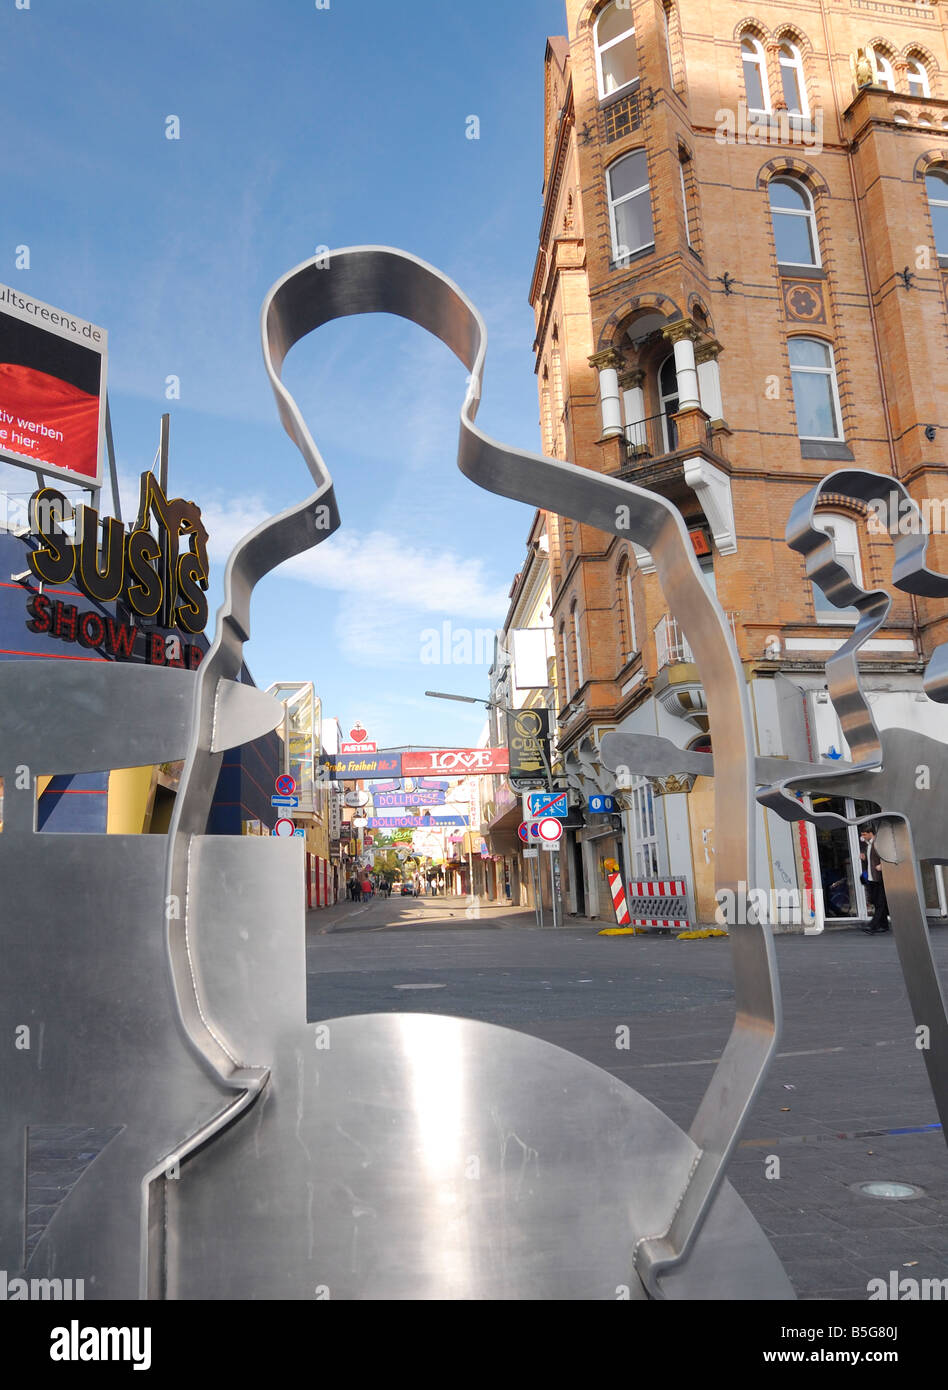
{"x": 358, "y": 734}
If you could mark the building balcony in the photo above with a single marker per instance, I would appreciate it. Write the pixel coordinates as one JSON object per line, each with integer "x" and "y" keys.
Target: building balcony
{"x": 658, "y": 437}
{"x": 671, "y": 645}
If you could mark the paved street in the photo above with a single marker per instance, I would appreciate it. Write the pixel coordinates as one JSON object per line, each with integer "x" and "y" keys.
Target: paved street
{"x": 847, "y": 1075}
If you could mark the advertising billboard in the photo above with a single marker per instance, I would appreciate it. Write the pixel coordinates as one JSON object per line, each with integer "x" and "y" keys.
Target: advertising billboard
{"x": 528, "y": 739}
{"x": 52, "y": 389}
{"x": 460, "y": 762}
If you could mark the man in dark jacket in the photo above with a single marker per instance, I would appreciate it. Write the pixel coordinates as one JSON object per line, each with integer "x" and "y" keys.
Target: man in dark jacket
{"x": 872, "y": 878}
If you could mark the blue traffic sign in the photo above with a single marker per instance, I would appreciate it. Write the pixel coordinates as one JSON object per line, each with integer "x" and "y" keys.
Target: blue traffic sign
{"x": 601, "y": 804}
{"x": 548, "y": 804}
{"x": 285, "y": 784}
{"x": 284, "y": 801}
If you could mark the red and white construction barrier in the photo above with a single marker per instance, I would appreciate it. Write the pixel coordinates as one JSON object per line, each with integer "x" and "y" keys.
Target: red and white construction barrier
{"x": 659, "y": 902}
{"x": 618, "y": 900}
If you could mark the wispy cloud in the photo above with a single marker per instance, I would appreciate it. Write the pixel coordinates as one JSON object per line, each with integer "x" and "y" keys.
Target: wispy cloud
{"x": 377, "y": 563}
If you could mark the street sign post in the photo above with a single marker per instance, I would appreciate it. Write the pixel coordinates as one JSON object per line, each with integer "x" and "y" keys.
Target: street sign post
{"x": 549, "y": 829}
{"x": 288, "y": 801}
{"x": 285, "y": 784}
{"x": 545, "y": 803}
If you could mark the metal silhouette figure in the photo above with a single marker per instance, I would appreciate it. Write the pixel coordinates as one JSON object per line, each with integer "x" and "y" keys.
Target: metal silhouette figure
{"x": 250, "y": 1154}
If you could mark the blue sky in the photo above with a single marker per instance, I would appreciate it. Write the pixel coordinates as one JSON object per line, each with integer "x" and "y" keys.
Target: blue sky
{"x": 299, "y": 128}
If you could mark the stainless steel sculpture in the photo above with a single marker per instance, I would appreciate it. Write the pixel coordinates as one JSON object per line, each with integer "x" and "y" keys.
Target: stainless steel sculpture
{"x": 250, "y": 1154}
{"x": 900, "y": 771}
{"x": 885, "y": 767}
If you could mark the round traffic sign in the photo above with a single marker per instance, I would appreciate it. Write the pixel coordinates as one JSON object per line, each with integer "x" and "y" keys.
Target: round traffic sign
{"x": 523, "y": 830}
{"x": 549, "y": 829}
{"x": 284, "y": 827}
{"x": 285, "y": 784}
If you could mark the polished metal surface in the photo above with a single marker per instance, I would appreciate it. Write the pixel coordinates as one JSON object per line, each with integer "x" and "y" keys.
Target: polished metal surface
{"x": 886, "y": 766}
{"x": 163, "y": 988}
{"x": 443, "y": 1158}
{"x": 362, "y": 280}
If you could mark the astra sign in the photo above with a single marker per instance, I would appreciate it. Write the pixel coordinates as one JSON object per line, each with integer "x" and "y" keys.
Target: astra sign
{"x": 459, "y": 762}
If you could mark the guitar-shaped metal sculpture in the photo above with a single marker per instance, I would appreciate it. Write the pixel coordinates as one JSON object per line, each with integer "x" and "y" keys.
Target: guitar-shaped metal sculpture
{"x": 251, "y": 1154}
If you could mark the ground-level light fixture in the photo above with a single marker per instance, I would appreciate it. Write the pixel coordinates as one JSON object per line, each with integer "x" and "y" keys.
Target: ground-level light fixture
{"x": 889, "y": 1191}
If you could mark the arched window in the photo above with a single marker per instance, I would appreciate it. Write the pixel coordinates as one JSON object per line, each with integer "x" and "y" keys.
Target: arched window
{"x": 628, "y": 642}
{"x": 564, "y": 649}
{"x": 846, "y": 544}
{"x": 580, "y": 678}
{"x": 667, "y": 11}
{"x": 815, "y": 393}
{"x": 918, "y": 83}
{"x": 616, "y": 58}
{"x": 791, "y": 210}
{"x": 936, "y": 185}
{"x": 882, "y": 69}
{"x": 668, "y": 401}
{"x": 791, "y": 75}
{"x": 755, "y": 74}
{"x": 630, "y": 205}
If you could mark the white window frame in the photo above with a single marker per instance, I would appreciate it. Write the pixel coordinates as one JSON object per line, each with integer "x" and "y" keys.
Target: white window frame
{"x": 643, "y": 831}
{"x": 580, "y": 677}
{"x": 937, "y": 169}
{"x": 809, "y": 214}
{"x": 666, "y": 12}
{"x": 795, "y": 62}
{"x": 621, "y": 252}
{"x": 829, "y": 371}
{"x": 633, "y": 637}
{"x": 920, "y": 77}
{"x": 663, "y": 399}
{"x": 684, "y": 199}
{"x": 759, "y": 60}
{"x": 882, "y": 70}
{"x": 845, "y": 534}
{"x": 567, "y": 683}
{"x": 604, "y": 48}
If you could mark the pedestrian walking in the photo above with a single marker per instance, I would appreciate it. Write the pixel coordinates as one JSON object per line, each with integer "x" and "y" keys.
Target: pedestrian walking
{"x": 367, "y": 888}
{"x": 875, "y": 887}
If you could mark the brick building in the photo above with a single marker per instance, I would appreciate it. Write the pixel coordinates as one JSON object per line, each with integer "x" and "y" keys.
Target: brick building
{"x": 741, "y": 285}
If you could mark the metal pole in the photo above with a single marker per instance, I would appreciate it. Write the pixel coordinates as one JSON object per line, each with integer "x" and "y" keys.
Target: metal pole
{"x": 113, "y": 472}
{"x": 553, "y": 886}
{"x": 163, "y": 453}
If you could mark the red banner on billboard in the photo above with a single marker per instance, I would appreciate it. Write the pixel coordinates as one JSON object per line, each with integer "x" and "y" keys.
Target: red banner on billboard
{"x": 456, "y": 762}
{"x": 52, "y": 388}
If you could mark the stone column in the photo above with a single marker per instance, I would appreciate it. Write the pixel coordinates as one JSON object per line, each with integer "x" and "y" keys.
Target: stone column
{"x": 632, "y": 386}
{"x": 682, "y": 336}
{"x": 608, "y": 364}
{"x": 709, "y": 378}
